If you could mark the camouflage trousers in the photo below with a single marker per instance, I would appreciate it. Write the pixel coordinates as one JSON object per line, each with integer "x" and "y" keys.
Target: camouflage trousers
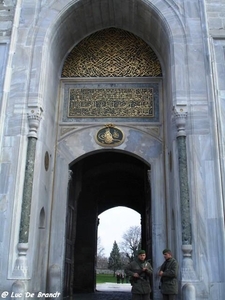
{"x": 140, "y": 297}
{"x": 169, "y": 297}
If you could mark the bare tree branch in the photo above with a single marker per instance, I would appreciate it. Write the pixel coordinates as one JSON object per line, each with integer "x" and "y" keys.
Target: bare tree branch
{"x": 131, "y": 241}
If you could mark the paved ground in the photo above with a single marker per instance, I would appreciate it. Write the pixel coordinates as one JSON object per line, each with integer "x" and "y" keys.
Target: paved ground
{"x": 104, "y": 296}
{"x": 112, "y": 287}
{"x": 107, "y": 291}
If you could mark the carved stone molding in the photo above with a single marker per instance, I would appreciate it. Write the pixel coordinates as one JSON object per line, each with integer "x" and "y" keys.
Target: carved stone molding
{"x": 187, "y": 264}
{"x": 155, "y": 131}
{"x": 65, "y": 130}
{"x": 34, "y": 118}
{"x": 21, "y": 265}
{"x": 180, "y": 114}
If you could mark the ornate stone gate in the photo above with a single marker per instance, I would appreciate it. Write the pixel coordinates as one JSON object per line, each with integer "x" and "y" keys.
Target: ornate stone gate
{"x": 111, "y": 76}
{"x": 73, "y": 127}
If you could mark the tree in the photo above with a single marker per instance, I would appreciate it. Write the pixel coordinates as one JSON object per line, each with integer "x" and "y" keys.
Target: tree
{"x": 124, "y": 259}
{"x": 100, "y": 249}
{"x": 114, "y": 262}
{"x": 131, "y": 242}
{"x": 102, "y": 261}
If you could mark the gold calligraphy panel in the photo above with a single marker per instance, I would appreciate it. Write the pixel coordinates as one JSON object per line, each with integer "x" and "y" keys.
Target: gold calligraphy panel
{"x": 112, "y": 52}
{"x": 127, "y": 103}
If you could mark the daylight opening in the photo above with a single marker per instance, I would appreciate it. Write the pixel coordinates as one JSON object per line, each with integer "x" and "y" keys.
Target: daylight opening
{"x": 119, "y": 238}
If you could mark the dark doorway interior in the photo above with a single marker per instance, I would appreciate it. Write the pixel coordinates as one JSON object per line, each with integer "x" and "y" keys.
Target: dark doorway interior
{"x": 101, "y": 181}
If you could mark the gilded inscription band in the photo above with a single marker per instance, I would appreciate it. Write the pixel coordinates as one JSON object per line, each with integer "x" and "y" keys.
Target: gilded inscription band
{"x": 127, "y": 103}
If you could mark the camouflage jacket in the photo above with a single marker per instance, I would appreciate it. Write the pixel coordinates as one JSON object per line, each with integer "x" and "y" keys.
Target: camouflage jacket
{"x": 169, "y": 283}
{"x": 140, "y": 285}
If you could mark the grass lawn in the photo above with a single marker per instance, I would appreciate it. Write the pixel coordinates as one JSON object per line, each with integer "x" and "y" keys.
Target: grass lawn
{"x": 101, "y": 278}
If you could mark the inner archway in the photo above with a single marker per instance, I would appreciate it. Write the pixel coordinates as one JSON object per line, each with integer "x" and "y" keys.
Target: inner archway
{"x": 113, "y": 223}
{"x": 101, "y": 181}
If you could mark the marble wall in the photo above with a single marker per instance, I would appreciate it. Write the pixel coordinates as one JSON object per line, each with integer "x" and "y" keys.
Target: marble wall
{"x": 188, "y": 36}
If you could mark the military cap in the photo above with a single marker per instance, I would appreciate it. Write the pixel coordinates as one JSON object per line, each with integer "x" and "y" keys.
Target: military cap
{"x": 141, "y": 252}
{"x": 166, "y": 251}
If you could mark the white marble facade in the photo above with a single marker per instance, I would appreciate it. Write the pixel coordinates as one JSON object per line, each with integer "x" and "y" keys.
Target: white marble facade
{"x": 189, "y": 39}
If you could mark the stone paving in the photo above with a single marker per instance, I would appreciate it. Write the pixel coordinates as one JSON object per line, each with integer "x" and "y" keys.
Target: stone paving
{"x": 103, "y": 296}
{"x": 107, "y": 291}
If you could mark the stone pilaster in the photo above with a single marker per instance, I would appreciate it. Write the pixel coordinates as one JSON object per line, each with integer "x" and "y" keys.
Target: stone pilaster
{"x": 181, "y": 116}
{"x": 21, "y": 267}
{"x": 188, "y": 273}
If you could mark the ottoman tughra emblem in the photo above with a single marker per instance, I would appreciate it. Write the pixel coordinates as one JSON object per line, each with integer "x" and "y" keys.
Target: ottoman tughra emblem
{"x": 109, "y": 136}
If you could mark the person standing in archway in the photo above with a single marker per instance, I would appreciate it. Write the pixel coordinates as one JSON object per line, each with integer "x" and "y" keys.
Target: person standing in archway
{"x": 139, "y": 271}
{"x": 168, "y": 273}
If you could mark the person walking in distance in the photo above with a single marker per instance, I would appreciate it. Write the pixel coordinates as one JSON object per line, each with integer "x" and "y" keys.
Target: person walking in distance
{"x": 168, "y": 273}
{"x": 140, "y": 271}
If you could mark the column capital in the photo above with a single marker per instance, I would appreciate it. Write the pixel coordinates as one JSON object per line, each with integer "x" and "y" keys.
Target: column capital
{"x": 34, "y": 118}
{"x": 180, "y": 114}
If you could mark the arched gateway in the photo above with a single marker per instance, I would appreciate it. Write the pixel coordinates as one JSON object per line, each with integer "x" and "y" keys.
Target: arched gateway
{"x": 107, "y": 86}
{"x": 110, "y": 76}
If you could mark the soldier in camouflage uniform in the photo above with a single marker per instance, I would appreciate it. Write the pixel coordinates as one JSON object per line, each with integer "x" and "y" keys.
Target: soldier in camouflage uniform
{"x": 168, "y": 273}
{"x": 139, "y": 271}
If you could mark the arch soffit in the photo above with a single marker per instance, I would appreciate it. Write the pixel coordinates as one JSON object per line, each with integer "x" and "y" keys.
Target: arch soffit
{"x": 79, "y": 142}
{"x": 67, "y": 23}
{"x": 159, "y": 21}
{"x": 163, "y": 13}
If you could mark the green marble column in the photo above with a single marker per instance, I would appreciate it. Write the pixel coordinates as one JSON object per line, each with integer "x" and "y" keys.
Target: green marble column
{"x": 180, "y": 117}
{"x": 27, "y": 191}
{"x": 184, "y": 191}
{"x": 21, "y": 270}
{"x": 33, "y": 119}
{"x": 187, "y": 270}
